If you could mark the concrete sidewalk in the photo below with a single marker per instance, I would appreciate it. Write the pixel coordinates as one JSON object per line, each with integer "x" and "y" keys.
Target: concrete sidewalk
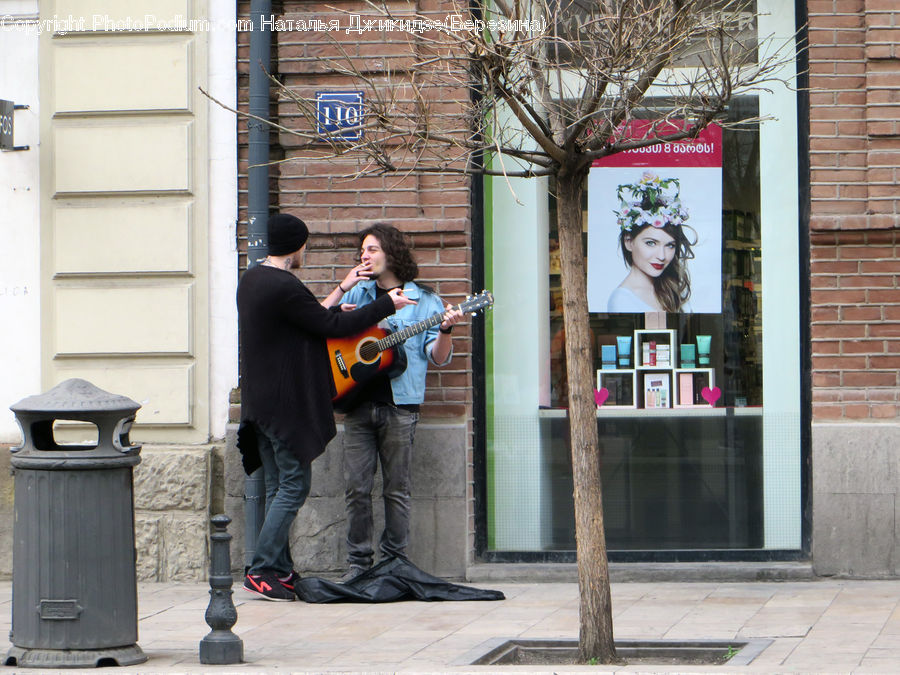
{"x": 824, "y": 626}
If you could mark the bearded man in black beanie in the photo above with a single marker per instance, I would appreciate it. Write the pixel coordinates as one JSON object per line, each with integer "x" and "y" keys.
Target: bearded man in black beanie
{"x": 286, "y": 390}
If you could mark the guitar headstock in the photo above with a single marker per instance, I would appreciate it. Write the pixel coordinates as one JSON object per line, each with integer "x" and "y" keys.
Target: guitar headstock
{"x": 474, "y": 304}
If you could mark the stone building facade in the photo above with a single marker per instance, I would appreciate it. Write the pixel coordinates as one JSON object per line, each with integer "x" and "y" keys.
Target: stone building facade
{"x": 854, "y": 158}
{"x": 850, "y": 217}
{"x": 119, "y": 236}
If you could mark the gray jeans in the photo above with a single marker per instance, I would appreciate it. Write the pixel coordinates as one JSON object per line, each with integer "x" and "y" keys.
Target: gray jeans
{"x": 376, "y": 432}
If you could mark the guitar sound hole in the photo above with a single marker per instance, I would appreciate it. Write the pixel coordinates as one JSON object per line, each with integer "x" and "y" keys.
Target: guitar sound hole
{"x": 368, "y": 351}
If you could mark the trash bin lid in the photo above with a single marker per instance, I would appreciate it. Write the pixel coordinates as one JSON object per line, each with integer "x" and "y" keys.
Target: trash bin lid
{"x": 75, "y": 396}
{"x": 78, "y": 401}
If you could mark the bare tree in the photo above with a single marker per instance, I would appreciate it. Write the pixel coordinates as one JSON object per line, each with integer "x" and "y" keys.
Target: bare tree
{"x": 524, "y": 88}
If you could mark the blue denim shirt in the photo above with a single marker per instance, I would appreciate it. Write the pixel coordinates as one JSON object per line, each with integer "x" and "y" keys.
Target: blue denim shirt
{"x": 409, "y": 387}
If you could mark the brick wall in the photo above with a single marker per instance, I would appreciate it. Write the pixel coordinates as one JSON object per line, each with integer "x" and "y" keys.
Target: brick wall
{"x": 855, "y": 210}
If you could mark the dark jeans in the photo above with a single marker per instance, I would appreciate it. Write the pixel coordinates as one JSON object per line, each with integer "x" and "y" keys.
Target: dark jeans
{"x": 287, "y": 485}
{"x": 376, "y": 432}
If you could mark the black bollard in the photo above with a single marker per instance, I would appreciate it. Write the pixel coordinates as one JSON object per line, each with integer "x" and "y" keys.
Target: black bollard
{"x": 220, "y": 646}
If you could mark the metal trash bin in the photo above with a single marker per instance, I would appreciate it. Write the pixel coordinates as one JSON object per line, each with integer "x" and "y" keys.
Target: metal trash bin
{"x": 74, "y": 582}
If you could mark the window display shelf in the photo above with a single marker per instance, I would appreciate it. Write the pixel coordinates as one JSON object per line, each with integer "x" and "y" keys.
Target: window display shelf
{"x": 654, "y": 349}
{"x": 621, "y": 383}
{"x": 699, "y": 378}
{"x": 658, "y": 386}
{"x": 693, "y": 411}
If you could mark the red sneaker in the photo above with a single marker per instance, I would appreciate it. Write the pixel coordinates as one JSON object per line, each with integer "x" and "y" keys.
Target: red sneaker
{"x": 288, "y": 581}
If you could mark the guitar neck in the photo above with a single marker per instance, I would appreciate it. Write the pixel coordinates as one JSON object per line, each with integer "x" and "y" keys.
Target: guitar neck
{"x": 395, "y": 339}
{"x": 482, "y": 300}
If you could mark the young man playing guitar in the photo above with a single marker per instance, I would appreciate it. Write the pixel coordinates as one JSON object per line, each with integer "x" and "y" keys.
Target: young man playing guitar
{"x": 285, "y": 421}
{"x": 383, "y": 412}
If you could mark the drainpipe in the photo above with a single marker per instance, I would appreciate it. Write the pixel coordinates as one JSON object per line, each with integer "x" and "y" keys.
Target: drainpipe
{"x": 257, "y": 215}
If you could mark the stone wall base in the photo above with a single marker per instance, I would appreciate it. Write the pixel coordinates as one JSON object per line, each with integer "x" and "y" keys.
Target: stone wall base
{"x": 176, "y": 490}
{"x": 856, "y": 500}
{"x": 855, "y": 483}
{"x": 439, "y": 527}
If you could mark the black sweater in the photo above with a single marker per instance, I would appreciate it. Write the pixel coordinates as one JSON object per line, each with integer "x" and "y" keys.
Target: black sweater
{"x": 286, "y": 382}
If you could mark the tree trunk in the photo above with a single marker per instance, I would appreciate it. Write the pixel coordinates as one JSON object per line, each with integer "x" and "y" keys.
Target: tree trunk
{"x": 596, "y": 628}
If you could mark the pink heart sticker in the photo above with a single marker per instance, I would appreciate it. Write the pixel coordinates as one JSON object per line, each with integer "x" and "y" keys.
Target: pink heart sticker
{"x": 711, "y": 395}
{"x": 601, "y": 396}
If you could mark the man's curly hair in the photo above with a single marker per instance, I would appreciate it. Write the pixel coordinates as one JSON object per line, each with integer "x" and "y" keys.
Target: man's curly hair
{"x": 399, "y": 257}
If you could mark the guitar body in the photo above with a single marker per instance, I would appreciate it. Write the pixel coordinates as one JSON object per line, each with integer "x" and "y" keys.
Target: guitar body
{"x": 357, "y": 359}
{"x": 352, "y": 364}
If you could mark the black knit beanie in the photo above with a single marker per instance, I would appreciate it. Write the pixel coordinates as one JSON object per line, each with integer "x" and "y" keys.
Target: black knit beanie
{"x": 287, "y": 234}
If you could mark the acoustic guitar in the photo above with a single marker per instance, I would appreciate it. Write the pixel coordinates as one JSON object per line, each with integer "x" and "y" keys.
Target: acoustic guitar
{"x": 357, "y": 359}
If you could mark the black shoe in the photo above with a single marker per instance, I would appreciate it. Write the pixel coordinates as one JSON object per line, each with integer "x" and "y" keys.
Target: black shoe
{"x": 267, "y": 586}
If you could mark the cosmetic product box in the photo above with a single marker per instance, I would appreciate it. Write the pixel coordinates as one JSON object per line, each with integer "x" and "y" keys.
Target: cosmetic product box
{"x": 608, "y": 357}
{"x": 663, "y": 356}
{"x": 685, "y": 388}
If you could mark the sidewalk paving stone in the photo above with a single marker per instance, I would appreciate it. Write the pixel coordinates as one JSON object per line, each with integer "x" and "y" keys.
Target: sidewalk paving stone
{"x": 819, "y": 626}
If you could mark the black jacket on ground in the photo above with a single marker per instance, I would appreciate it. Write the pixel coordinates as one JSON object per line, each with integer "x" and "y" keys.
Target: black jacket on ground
{"x": 286, "y": 382}
{"x": 391, "y": 580}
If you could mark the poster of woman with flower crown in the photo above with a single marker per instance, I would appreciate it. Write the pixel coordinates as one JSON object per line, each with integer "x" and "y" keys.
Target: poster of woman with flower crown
{"x": 655, "y": 227}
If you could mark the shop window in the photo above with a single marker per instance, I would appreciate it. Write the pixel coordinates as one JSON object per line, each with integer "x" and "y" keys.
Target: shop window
{"x": 681, "y": 416}
{"x": 699, "y": 419}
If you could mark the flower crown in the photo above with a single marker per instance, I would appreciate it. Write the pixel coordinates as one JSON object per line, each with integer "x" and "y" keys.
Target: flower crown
{"x": 654, "y": 201}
